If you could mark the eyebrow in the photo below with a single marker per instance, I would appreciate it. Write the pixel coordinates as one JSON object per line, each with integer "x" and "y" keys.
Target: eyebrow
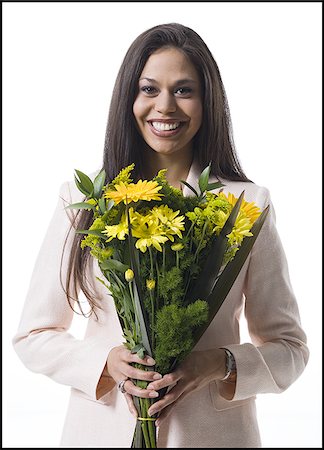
{"x": 184, "y": 80}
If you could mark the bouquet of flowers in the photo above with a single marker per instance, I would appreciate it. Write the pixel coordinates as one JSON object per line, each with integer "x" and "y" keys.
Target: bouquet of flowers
{"x": 168, "y": 261}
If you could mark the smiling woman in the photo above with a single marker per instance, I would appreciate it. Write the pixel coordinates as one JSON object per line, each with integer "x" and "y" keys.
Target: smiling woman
{"x": 168, "y": 111}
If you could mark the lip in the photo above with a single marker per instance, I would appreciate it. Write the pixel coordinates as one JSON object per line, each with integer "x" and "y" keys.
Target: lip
{"x": 165, "y": 120}
{"x": 168, "y": 133}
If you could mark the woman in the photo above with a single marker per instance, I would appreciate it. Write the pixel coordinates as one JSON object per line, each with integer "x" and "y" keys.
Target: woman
{"x": 168, "y": 110}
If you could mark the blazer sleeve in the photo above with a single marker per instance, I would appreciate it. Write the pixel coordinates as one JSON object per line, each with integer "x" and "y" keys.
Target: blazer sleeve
{"x": 42, "y": 341}
{"x": 278, "y": 353}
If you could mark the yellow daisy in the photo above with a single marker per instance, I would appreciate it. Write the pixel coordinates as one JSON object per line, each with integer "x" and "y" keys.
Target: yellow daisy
{"x": 240, "y": 230}
{"x": 170, "y": 221}
{"x": 133, "y": 192}
{"x": 148, "y": 232}
{"x": 249, "y": 208}
{"x": 118, "y": 231}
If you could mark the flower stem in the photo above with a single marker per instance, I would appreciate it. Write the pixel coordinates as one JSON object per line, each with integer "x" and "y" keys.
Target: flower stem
{"x": 153, "y": 317}
{"x": 163, "y": 263}
{"x": 151, "y": 262}
{"x": 152, "y": 297}
{"x": 143, "y": 408}
{"x": 137, "y": 326}
{"x": 201, "y": 240}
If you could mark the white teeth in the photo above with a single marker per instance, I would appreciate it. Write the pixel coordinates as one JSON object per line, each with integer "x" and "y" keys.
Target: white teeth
{"x": 161, "y": 126}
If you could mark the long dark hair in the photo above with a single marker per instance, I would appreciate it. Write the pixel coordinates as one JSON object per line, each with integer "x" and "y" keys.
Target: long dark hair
{"x": 123, "y": 143}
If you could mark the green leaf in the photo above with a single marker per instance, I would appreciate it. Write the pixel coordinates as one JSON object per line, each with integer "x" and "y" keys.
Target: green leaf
{"x": 80, "y": 187}
{"x": 136, "y": 348}
{"x": 230, "y": 273}
{"x": 83, "y": 183}
{"x": 110, "y": 204}
{"x": 138, "y": 306}
{"x": 139, "y": 349}
{"x": 190, "y": 187}
{"x": 106, "y": 275}
{"x": 114, "y": 264}
{"x": 203, "y": 179}
{"x": 102, "y": 205}
{"x": 204, "y": 284}
{"x": 98, "y": 184}
{"x": 104, "y": 283}
{"x": 93, "y": 232}
{"x": 81, "y": 205}
{"x": 141, "y": 353}
{"x": 212, "y": 186}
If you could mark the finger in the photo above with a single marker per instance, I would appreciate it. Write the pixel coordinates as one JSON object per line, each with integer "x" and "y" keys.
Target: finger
{"x": 170, "y": 398}
{"x": 165, "y": 381}
{"x": 146, "y": 361}
{"x": 130, "y": 404}
{"x": 130, "y": 388}
{"x": 138, "y": 374}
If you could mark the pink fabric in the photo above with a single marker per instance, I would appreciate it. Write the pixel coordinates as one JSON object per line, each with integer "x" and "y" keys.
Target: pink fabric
{"x": 270, "y": 364}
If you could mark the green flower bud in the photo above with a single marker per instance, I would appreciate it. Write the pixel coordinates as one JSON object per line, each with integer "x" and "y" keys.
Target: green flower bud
{"x": 177, "y": 247}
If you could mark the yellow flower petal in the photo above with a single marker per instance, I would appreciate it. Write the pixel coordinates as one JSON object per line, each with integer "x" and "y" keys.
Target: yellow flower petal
{"x": 142, "y": 190}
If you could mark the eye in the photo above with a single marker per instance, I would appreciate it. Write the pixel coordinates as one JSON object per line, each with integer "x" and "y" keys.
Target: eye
{"x": 148, "y": 90}
{"x": 183, "y": 91}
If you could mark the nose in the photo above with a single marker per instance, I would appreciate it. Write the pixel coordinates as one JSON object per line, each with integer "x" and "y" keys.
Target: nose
{"x": 165, "y": 103}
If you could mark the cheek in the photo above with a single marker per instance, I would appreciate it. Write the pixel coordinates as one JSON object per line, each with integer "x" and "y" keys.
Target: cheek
{"x": 136, "y": 110}
{"x": 140, "y": 108}
{"x": 196, "y": 114}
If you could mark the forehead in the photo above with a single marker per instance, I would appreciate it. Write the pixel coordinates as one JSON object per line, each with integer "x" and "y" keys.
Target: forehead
{"x": 169, "y": 62}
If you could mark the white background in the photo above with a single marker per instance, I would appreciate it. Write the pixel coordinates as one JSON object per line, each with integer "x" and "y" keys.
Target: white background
{"x": 60, "y": 61}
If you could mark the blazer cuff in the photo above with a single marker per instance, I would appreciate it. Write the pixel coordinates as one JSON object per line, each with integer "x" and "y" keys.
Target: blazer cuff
{"x": 95, "y": 380}
{"x": 253, "y": 374}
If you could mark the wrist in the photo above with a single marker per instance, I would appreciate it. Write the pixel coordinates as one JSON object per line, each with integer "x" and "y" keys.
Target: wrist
{"x": 230, "y": 366}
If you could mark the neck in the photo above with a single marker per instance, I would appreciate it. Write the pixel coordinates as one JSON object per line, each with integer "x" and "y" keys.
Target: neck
{"x": 177, "y": 165}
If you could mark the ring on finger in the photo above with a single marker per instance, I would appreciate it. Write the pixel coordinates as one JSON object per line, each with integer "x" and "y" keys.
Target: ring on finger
{"x": 121, "y": 386}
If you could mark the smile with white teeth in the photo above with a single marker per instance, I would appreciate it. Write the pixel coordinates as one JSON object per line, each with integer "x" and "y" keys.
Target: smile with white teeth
{"x": 161, "y": 126}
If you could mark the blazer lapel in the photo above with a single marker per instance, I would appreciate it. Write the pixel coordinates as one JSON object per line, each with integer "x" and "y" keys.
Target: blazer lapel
{"x": 192, "y": 179}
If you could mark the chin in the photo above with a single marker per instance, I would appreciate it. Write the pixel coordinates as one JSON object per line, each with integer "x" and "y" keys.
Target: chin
{"x": 167, "y": 150}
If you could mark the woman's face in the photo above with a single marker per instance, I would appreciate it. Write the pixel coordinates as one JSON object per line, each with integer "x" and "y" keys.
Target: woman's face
{"x": 168, "y": 107}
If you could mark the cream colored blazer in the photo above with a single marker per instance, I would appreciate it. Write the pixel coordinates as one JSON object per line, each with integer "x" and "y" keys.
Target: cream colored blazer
{"x": 97, "y": 414}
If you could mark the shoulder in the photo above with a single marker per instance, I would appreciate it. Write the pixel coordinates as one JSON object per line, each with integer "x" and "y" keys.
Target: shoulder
{"x": 252, "y": 192}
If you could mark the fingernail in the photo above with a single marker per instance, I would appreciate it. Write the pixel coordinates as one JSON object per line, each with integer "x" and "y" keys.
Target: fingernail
{"x": 157, "y": 376}
{"x": 151, "y": 412}
{"x": 150, "y": 361}
{"x": 157, "y": 423}
{"x": 153, "y": 394}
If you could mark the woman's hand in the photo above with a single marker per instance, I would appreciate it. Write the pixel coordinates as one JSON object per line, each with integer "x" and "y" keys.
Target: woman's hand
{"x": 196, "y": 370}
{"x": 118, "y": 366}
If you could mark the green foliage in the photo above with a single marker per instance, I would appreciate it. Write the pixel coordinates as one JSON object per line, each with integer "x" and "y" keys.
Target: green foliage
{"x": 90, "y": 241}
{"x": 171, "y": 287}
{"x": 172, "y": 196}
{"x": 98, "y": 183}
{"x": 100, "y": 253}
{"x": 174, "y": 326}
{"x": 84, "y": 183}
{"x": 124, "y": 175}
